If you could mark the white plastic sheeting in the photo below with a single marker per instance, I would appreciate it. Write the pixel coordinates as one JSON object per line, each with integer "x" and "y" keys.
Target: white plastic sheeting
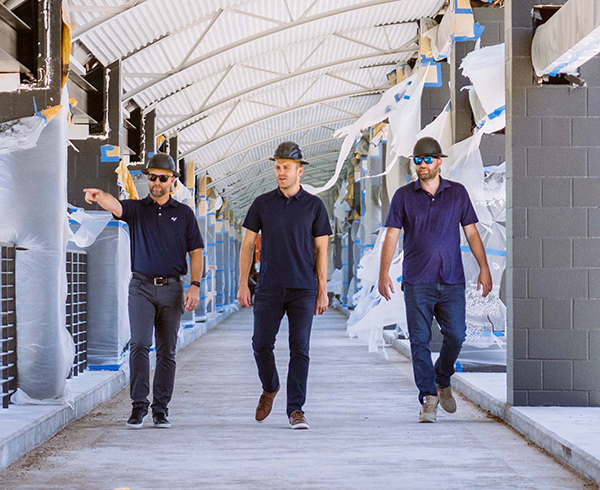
{"x": 33, "y": 199}
{"x": 371, "y": 311}
{"x": 569, "y": 38}
{"x": 90, "y": 226}
{"x": 402, "y": 105}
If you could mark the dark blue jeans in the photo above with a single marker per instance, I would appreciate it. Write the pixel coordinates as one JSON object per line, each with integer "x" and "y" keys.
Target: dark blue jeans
{"x": 269, "y": 307}
{"x": 447, "y": 303}
{"x": 158, "y": 310}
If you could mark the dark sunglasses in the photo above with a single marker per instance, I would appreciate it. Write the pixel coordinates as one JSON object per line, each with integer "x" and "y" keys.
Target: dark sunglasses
{"x": 162, "y": 178}
{"x": 420, "y": 160}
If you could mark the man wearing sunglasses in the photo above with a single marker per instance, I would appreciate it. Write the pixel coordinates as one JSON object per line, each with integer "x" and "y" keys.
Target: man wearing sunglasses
{"x": 162, "y": 232}
{"x": 431, "y": 211}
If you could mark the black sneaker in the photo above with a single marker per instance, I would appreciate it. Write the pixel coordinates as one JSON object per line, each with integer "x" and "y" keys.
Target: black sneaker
{"x": 136, "y": 419}
{"x": 160, "y": 421}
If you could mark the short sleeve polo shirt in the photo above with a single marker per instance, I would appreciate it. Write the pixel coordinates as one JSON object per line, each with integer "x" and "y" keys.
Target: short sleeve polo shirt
{"x": 161, "y": 236}
{"x": 288, "y": 227}
{"x": 432, "y": 231}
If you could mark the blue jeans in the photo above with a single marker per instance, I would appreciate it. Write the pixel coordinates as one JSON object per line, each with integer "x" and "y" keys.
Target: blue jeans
{"x": 447, "y": 302}
{"x": 269, "y": 307}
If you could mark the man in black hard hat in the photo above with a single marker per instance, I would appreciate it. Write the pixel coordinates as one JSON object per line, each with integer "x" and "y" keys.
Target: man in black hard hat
{"x": 431, "y": 210}
{"x": 292, "y": 280}
{"x": 162, "y": 232}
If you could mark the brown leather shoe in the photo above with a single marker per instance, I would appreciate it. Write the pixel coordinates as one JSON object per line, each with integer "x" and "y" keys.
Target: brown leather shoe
{"x": 298, "y": 420}
{"x": 265, "y": 404}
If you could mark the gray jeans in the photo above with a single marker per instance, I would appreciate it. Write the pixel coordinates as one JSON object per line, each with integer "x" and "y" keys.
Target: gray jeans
{"x": 157, "y": 308}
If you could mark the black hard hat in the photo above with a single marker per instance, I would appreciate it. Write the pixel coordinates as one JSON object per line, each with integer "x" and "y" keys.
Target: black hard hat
{"x": 290, "y": 151}
{"x": 427, "y": 147}
{"x": 163, "y": 161}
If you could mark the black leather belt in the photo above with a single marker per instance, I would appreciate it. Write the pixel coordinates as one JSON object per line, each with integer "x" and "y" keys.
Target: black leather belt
{"x": 157, "y": 281}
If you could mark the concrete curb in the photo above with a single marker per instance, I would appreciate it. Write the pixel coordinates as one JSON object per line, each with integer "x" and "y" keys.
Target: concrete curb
{"x": 567, "y": 452}
{"x": 24, "y": 427}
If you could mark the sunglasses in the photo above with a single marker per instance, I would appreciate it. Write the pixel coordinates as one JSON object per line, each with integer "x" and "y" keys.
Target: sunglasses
{"x": 162, "y": 178}
{"x": 420, "y": 160}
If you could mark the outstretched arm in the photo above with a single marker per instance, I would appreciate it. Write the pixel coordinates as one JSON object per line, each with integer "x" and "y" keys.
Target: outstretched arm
{"x": 106, "y": 201}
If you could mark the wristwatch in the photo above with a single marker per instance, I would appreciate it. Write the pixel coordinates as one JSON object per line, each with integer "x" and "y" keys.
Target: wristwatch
{"x": 195, "y": 283}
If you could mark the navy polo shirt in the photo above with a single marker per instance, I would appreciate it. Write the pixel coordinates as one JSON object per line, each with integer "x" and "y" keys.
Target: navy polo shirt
{"x": 432, "y": 231}
{"x": 288, "y": 227}
{"x": 161, "y": 236}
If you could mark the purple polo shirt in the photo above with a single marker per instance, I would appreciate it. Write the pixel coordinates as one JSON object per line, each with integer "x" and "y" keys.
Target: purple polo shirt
{"x": 432, "y": 231}
{"x": 288, "y": 227}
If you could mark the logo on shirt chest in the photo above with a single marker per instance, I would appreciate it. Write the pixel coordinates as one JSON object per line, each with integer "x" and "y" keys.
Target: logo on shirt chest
{"x": 174, "y": 218}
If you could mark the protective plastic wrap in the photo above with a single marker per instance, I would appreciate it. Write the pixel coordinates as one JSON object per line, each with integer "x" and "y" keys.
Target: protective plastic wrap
{"x": 372, "y": 312}
{"x": 569, "y": 38}
{"x": 33, "y": 199}
{"x": 109, "y": 271}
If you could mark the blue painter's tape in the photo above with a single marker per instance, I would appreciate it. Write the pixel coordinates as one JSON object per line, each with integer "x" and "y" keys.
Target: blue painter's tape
{"x": 399, "y": 279}
{"x": 397, "y": 97}
{"x": 105, "y": 367}
{"x": 105, "y": 157}
{"x": 477, "y": 32}
{"x": 463, "y": 11}
{"x": 117, "y": 224}
{"x": 189, "y": 325}
{"x": 459, "y": 368}
{"x": 439, "y": 77}
{"x": 135, "y": 172}
{"x": 489, "y": 251}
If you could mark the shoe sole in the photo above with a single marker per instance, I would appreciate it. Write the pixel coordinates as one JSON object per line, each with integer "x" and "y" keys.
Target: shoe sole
{"x": 299, "y": 426}
{"x": 426, "y": 421}
{"x": 136, "y": 426}
{"x": 162, "y": 426}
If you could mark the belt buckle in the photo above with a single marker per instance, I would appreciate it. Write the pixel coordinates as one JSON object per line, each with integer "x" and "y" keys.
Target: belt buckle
{"x": 160, "y": 281}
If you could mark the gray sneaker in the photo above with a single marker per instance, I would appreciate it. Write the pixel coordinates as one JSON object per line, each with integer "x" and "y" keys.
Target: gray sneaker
{"x": 447, "y": 400}
{"x": 428, "y": 412}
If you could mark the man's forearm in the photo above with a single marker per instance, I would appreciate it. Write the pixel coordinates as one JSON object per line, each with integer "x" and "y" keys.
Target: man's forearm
{"x": 388, "y": 250}
{"x": 478, "y": 250}
{"x": 321, "y": 269}
{"x": 246, "y": 252}
{"x": 196, "y": 264}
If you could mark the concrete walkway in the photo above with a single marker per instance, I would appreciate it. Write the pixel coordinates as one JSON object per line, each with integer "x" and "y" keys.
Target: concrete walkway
{"x": 364, "y": 434}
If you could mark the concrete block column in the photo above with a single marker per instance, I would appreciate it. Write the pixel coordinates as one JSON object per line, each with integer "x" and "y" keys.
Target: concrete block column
{"x": 553, "y": 228}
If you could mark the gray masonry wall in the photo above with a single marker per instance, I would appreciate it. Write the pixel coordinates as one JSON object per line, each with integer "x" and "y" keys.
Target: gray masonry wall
{"x": 553, "y": 228}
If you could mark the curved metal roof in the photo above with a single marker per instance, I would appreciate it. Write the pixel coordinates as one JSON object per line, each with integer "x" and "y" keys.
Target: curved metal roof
{"x": 234, "y": 78}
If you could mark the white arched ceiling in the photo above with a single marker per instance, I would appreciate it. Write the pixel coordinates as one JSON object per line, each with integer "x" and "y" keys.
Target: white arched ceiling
{"x": 233, "y": 79}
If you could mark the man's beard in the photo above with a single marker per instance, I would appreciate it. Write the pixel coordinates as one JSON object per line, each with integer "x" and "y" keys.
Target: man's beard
{"x": 432, "y": 175}
{"x": 158, "y": 191}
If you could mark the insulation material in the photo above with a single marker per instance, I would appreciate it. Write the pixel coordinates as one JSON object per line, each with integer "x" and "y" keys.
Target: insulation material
{"x": 485, "y": 68}
{"x": 23, "y": 134}
{"x": 181, "y": 193}
{"x": 569, "y": 38}
{"x": 125, "y": 182}
{"x": 341, "y": 208}
{"x": 45, "y": 348}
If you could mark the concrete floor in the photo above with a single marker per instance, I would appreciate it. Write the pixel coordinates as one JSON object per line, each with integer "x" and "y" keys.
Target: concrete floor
{"x": 364, "y": 434}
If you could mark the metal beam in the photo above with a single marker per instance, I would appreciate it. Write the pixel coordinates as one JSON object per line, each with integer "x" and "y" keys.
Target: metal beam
{"x": 405, "y": 48}
{"x": 258, "y": 162}
{"x": 274, "y": 30}
{"x": 102, "y": 19}
{"x": 278, "y": 113}
{"x": 225, "y": 156}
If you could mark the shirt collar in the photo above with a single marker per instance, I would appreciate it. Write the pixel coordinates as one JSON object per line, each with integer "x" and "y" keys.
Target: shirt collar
{"x": 444, "y": 184}
{"x": 170, "y": 202}
{"x": 298, "y": 195}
